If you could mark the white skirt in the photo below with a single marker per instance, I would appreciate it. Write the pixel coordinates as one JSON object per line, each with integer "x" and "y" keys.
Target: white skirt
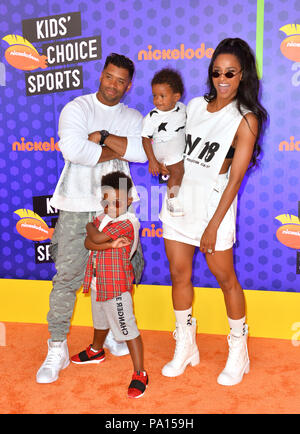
{"x": 226, "y": 235}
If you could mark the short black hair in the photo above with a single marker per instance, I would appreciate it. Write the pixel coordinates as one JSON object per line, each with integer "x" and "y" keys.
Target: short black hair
{"x": 171, "y": 77}
{"x": 121, "y": 62}
{"x": 117, "y": 180}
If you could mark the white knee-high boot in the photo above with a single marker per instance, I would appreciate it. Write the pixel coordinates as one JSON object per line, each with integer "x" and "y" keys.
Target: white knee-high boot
{"x": 186, "y": 350}
{"x": 238, "y": 362}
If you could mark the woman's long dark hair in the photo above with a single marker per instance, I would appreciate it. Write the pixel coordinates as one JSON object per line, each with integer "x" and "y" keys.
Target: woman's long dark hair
{"x": 248, "y": 91}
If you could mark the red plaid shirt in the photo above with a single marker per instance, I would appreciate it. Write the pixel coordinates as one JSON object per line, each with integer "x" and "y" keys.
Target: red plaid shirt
{"x": 114, "y": 271}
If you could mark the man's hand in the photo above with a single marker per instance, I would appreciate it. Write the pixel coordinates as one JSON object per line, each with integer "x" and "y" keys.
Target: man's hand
{"x": 107, "y": 152}
{"x": 95, "y": 137}
{"x": 107, "y": 155}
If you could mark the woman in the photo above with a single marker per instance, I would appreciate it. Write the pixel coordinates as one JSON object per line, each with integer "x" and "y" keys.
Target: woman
{"x": 222, "y": 134}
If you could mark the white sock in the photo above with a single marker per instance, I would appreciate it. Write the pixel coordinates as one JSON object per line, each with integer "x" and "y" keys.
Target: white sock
{"x": 184, "y": 317}
{"x": 237, "y": 326}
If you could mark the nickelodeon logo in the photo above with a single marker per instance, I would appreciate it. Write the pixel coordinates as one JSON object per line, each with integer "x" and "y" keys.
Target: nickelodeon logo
{"x": 153, "y": 232}
{"x": 175, "y": 53}
{"x": 290, "y": 46}
{"x": 21, "y": 54}
{"x": 289, "y": 146}
{"x": 35, "y": 146}
{"x": 32, "y": 226}
{"x": 289, "y": 233}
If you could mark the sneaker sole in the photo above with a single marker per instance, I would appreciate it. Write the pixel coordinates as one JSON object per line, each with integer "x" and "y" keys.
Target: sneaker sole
{"x": 57, "y": 376}
{"x": 88, "y": 362}
{"x": 47, "y": 382}
{"x": 136, "y": 397}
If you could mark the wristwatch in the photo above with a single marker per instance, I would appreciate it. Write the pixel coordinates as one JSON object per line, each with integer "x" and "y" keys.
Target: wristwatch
{"x": 104, "y": 135}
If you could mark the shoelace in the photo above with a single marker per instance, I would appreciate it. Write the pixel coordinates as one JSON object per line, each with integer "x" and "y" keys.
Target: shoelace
{"x": 175, "y": 333}
{"x": 180, "y": 343}
{"x": 53, "y": 357}
{"x": 234, "y": 350}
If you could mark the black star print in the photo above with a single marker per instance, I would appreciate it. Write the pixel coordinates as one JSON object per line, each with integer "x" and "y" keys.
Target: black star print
{"x": 179, "y": 128}
{"x": 162, "y": 126}
{"x": 152, "y": 112}
{"x": 177, "y": 110}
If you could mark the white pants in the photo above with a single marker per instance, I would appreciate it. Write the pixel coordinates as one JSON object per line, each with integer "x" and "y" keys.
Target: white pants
{"x": 170, "y": 152}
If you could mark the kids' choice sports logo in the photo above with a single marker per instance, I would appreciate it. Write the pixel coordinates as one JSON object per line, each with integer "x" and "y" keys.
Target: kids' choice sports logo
{"x": 21, "y": 54}
{"x": 32, "y": 226}
{"x": 290, "y": 46}
{"x": 289, "y": 233}
{"x": 60, "y": 49}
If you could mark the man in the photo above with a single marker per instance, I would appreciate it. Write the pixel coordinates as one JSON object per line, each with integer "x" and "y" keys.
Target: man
{"x": 97, "y": 134}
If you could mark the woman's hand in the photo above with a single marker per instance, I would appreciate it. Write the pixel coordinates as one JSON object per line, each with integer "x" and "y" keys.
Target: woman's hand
{"x": 208, "y": 240}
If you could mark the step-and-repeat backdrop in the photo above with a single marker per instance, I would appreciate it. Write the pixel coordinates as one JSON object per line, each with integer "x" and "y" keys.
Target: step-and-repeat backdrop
{"x": 52, "y": 51}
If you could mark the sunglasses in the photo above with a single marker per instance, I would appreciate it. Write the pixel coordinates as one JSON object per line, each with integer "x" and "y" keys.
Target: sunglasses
{"x": 117, "y": 203}
{"x": 228, "y": 74}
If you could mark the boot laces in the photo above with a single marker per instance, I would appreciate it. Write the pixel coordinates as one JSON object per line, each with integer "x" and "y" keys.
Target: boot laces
{"x": 236, "y": 345}
{"x": 181, "y": 335}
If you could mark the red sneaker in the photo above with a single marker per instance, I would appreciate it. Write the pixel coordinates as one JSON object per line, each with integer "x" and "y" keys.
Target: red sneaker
{"x": 138, "y": 384}
{"x": 88, "y": 356}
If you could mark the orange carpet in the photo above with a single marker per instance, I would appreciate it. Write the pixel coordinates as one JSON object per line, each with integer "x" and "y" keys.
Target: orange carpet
{"x": 272, "y": 386}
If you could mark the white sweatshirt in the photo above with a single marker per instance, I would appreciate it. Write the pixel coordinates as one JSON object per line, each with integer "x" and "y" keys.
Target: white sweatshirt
{"x": 79, "y": 185}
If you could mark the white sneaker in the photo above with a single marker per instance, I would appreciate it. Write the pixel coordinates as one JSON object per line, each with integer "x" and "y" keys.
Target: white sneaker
{"x": 57, "y": 359}
{"x": 174, "y": 207}
{"x": 238, "y": 362}
{"x": 186, "y": 350}
{"x": 116, "y": 348}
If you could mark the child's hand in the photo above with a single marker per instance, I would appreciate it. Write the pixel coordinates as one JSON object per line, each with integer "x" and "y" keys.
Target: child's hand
{"x": 154, "y": 167}
{"x": 89, "y": 226}
{"x": 120, "y": 242}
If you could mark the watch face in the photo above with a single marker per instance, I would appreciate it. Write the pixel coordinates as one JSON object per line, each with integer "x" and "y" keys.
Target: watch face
{"x": 104, "y": 134}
